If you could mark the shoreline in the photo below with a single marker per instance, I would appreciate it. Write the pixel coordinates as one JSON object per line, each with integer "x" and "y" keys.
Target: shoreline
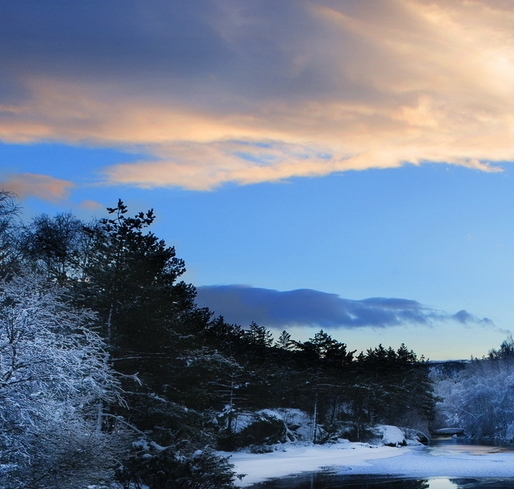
{"x": 295, "y": 459}
{"x": 348, "y": 458}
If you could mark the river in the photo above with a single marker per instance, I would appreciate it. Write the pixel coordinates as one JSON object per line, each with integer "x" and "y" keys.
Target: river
{"x": 329, "y": 479}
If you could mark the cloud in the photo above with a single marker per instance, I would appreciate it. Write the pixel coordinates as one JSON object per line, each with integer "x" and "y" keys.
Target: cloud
{"x": 32, "y": 184}
{"x": 248, "y": 92}
{"x": 241, "y": 304}
{"x": 91, "y": 205}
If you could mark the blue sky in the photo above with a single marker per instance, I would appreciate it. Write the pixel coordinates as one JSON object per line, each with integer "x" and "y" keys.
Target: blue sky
{"x": 335, "y": 164}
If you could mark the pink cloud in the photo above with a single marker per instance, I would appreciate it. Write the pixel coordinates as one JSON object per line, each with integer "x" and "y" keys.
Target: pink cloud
{"x": 340, "y": 86}
{"x": 91, "y": 205}
{"x": 42, "y": 186}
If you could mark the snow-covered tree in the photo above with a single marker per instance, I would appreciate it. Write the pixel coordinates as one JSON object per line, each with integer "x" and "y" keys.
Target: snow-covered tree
{"x": 8, "y": 230}
{"x": 54, "y": 381}
{"x": 480, "y": 397}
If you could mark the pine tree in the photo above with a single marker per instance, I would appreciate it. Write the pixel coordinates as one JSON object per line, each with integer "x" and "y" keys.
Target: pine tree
{"x": 131, "y": 279}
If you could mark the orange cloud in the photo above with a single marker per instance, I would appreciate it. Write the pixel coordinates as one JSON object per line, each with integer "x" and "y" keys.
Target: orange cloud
{"x": 42, "y": 186}
{"x": 364, "y": 85}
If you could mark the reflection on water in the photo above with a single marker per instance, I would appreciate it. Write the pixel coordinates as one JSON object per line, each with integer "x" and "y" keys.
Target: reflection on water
{"x": 443, "y": 446}
{"x": 325, "y": 480}
{"x": 321, "y": 480}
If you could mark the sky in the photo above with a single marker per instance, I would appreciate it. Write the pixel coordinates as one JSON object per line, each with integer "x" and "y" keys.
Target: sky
{"x": 318, "y": 164}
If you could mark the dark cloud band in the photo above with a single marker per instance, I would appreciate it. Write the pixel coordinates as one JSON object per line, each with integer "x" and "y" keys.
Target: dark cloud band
{"x": 242, "y": 304}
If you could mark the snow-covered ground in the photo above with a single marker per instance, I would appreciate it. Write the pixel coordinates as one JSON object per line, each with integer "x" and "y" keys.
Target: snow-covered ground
{"x": 359, "y": 459}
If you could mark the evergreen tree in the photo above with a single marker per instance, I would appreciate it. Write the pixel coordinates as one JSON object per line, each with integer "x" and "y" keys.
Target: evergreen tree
{"x": 284, "y": 341}
{"x": 131, "y": 279}
{"x": 326, "y": 362}
{"x": 395, "y": 388}
{"x": 258, "y": 336}
{"x": 154, "y": 329}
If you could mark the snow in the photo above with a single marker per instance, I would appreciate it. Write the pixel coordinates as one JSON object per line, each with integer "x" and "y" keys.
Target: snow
{"x": 390, "y": 435}
{"x": 307, "y": 458}
{"x": 271, "y": 413}
{"x": 420, "y": 463}
{"x": 297, "y": 423}
{"x": 362, "y": 459}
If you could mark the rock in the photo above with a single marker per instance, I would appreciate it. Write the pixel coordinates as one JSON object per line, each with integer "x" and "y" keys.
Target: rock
{"x": 251, "y": 429}
{"x": 258, "y": 430}
{"x": 449, "y": 432}
{"x": 388, "y": 435}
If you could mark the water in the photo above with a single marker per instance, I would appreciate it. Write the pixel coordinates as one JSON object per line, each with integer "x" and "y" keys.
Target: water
{"x": 476, "y": 447}
{"x": 330, "y": 480}
{"x": 321, "y": 480}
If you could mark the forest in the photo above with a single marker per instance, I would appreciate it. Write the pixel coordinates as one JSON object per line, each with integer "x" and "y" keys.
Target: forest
{"x": 112, "y": 376}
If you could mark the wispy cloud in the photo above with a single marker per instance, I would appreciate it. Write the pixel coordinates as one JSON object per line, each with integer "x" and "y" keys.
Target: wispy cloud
{"x": 305, "y": 307}
{"x": 91, "y": 205}
{"x": 246, "y": 92}
{"x": 42, "y": 186}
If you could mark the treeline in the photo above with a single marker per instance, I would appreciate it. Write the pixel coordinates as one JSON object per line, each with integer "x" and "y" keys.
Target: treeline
{"x": 109, "y": 370}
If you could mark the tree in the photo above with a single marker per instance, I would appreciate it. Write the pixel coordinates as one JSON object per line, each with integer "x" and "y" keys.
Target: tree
{"x": 54, "y": 380}
{"x": 57, "y": 246}
{"x": 284, "y": 341}
{"x": 258, "y": 337}
{"x": 8, "y": 231}
{"x": 393, "y": 387}
{"x": 153, "y": 328}
{"x": 505, "y": 352}
{"x": 131, "y": 280}
{"x": 325, "y": 361}
{"x": 480, "y": 397}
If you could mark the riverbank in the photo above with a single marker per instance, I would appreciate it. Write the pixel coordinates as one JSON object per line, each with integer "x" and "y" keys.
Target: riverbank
{"x": 293, "y": 459}
{"x": 362, "y": 459}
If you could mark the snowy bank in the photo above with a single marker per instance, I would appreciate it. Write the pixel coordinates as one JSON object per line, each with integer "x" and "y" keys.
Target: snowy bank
{"x": 362, "y": 459}
{"x": 296, "y": 459}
